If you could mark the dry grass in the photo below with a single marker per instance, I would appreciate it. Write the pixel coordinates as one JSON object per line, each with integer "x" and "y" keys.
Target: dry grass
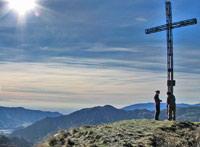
{"x": 130, "y": 133}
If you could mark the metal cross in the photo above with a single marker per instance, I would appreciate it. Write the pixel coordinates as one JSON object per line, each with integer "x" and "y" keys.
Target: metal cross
{"x": 169, "y": 26}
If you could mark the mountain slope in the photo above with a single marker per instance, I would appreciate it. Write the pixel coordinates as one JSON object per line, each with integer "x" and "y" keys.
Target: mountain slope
{"x": 13, "y": 142}
{"x": 130, "y": 133}
{"x": 95, "y": 116}
{"x": 89, "y": 116}
{"x": 12, "y": 118}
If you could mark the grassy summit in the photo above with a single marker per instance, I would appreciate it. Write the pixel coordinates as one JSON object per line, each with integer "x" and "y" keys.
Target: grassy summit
{"x": 130, "y": 133}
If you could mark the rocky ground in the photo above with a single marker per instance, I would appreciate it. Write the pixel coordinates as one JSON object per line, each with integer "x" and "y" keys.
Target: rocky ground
{"x": 129, "y": 133}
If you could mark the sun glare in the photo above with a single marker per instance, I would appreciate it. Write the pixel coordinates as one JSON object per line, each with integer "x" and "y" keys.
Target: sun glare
{"x": 21, "y": 6}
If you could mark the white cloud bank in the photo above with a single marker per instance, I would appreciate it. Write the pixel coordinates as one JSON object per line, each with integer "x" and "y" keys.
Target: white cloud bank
{"x": 64, "y": 87}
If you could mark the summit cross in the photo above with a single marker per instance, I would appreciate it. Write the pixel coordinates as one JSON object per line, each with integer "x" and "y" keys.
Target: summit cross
{"x": 169, "y": 26}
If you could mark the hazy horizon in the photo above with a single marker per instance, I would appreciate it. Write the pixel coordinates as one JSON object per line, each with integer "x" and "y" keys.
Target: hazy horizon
{"x": 66, "y": 111}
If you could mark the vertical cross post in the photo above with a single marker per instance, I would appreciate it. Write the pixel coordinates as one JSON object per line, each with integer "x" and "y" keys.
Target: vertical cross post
{"x": 170, "y": 64}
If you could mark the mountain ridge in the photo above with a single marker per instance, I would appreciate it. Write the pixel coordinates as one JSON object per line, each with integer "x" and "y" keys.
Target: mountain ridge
{"x": 14, "y": 117}
{"x": 86, "y": 116}
{"x": 151, "y": 106}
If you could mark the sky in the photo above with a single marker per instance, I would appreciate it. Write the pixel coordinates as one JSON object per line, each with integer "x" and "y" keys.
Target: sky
{"x": 65, "y": 55}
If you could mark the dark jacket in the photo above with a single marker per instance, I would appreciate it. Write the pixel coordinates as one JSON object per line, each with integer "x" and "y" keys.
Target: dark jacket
{"x": 156, "y": 99}
{"x": 171, "y": 100}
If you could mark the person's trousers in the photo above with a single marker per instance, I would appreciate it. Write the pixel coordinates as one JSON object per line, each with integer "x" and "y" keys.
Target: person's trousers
{"x": 171, "y": 112}
{"x": 157, "y": 112}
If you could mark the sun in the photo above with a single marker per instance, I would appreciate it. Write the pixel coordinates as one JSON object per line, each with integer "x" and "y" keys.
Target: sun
{"x": 21, "y": 6}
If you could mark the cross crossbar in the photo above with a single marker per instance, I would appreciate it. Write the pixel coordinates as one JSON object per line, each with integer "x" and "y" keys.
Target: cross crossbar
{"x": 173, "y": 26}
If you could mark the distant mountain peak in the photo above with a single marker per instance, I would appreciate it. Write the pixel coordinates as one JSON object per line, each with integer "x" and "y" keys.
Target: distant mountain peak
{"x": 97, "y": 108}
{"x": 106, "y": 107}
{"x": 102, "y": 107}
{"x": 109, "y": 106}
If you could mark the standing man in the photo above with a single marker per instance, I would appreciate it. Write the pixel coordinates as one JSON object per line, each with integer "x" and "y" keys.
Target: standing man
{"x": 171, "y": 106}
{"x": 157, "y": 104}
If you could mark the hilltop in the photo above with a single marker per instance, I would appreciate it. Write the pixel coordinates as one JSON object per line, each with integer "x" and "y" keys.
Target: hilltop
{"x": 130, "y": 133}
{"x": 95, "y": 116}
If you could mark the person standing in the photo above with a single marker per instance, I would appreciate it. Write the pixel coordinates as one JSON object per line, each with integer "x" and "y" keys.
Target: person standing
{"x": 157, "y": 104}
{"x": 171, "y": 106}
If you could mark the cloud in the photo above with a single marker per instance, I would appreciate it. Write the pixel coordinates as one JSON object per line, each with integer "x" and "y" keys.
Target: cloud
{"x": 58, "y": 83}
{"x": 142, "y": 19}
{"x": 85, "y": 82}
{"x": 102, "y": 48}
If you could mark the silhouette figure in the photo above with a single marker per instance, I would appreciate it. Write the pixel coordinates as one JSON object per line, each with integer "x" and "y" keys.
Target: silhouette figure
{"x": 157, "y": 104}
{"x": 171, "y": 106}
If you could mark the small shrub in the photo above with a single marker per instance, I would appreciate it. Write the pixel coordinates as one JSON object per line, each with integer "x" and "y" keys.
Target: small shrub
{"x": 52, "y": 142}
